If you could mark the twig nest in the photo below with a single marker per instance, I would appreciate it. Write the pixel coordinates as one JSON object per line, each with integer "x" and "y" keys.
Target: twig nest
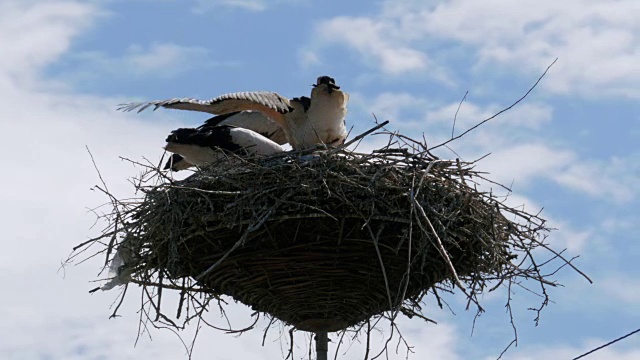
{"x": 323, "y": 242}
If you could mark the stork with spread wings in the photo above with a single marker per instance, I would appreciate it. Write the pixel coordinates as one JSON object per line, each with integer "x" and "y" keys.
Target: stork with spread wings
{"x": 255, "y": 123}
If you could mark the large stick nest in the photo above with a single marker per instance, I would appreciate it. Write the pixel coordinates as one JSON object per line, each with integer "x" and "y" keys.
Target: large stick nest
{"x": 323, "y": 242}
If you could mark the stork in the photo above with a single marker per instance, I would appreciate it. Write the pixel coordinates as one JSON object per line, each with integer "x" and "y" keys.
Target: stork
{"x": 251, "y": 120}
{"x": 324, "y": 122}
{"x": 200, "y": 147}
{"x": 306, "y": 122}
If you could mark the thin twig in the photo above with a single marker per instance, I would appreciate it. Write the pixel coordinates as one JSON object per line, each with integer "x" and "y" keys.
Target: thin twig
{"x": 499, "y": 112}
{"x": 455, "y": 116}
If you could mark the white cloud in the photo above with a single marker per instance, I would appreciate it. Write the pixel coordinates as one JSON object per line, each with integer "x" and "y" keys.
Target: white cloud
{"x": 597, "y": 41}
{"x": 526, "y": 162}
{"x": 527, "y": 115}
{"x": 158, "y": 60}
{"x": 625, "y": 224}
{"x": 570, "y": 238}
{"x": 533, "y": 160}
{"x": 202, "y": 6}
{"x": 615, "y": 178}
{"x": 379, "y": 44}
{"x": 426, "y": 340}
{"x": 623, "y": 287}
{"x": 395, "y": 106}
{"x": 27, "y": 46}
{"x": 432, "y": 341}
{"x": 164, "y": 57}
{"x": 308, "y": 58}
{"x": 368, "y": 37}
{"x": 410, "y": 111}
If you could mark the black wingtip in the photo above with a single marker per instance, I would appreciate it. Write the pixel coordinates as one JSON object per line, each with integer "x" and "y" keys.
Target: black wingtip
{"x": 180, "y": 135}
{"x": 216, "y": 136}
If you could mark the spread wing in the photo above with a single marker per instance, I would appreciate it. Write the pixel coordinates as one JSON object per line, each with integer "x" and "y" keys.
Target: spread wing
{"x": 269, "y": 103}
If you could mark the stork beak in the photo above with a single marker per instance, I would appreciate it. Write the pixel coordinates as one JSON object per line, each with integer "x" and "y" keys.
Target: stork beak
{"x": 327, "y": 80}
{"x": 330, "y": 86}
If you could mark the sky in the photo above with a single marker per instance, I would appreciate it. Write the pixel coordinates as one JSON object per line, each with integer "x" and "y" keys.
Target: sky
{"x": 570, "y": 147}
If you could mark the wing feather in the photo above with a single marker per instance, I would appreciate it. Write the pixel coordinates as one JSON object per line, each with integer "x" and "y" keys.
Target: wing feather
{"x": 252, "y": 120}
{"x": 263, "y": 101}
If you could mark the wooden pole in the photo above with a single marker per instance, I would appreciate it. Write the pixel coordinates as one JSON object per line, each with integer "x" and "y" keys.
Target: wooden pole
{"x": 322, "y": 345}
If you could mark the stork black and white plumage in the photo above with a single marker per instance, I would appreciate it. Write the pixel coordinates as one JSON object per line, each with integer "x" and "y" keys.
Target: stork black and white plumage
{"x": 251, "y": 120}
{"x": 177, "y": 163}
{"x": 200, "y": 147}
{"x": 324, "y": 122}
{"x": 306, "y": 122}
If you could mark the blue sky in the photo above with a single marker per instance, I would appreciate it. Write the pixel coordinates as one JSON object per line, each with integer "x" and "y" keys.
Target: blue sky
{"x": 571, "y": 147}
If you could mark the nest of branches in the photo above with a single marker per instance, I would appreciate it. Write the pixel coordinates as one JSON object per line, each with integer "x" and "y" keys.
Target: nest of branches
{"x": 322, "y": 241}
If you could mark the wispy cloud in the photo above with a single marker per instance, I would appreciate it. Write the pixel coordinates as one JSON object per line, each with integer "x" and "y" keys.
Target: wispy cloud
{"x": 531, "y": 160}
{"x": 410, "y": 111}
{"x": 402, "y": 108}
{"x": 615, "y": 178}
{"x": 308, "y": 58}
{"x": 157, "y": 60}
{"x": 373, "y": 38}
{"x": 624, "y": 288}
{"x": 204, "y": 6}
{"x": 379, "y": 44}
{"x": 597, "y": 42}
{"x": 28, "y": 45}
{"x": 529, "y": 115}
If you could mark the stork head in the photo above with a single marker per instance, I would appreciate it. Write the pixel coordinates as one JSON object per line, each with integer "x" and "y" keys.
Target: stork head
{"x": 328, "y": 81}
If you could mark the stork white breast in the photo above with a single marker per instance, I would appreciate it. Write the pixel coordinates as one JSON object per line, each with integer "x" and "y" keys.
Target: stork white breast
{"x": 325, "y": 118}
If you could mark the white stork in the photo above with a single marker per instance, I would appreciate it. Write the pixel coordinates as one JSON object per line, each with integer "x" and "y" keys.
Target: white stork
{"x": 200, "y": 147}
{"x": 305, "y": 122}
{"x": 251, "y": 120}
{"x": 324, "y": 122}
